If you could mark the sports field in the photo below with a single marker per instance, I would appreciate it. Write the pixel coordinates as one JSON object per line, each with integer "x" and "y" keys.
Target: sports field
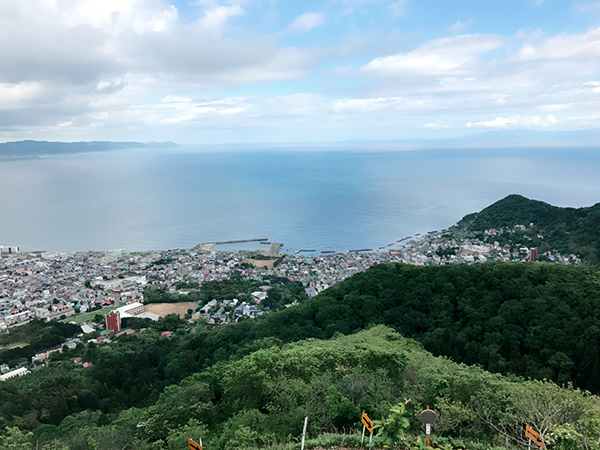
{"x": 164, "y": 309}
{"x": 89, "y": 316}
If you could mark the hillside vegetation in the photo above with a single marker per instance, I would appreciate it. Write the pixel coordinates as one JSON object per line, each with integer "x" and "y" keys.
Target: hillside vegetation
{"x": 260, "y": 401}
{"x": 532, "y": 320}
{"x": 32, "y": 337}
{"x": 567, "y": 230}
{"x": 518, "y": 319}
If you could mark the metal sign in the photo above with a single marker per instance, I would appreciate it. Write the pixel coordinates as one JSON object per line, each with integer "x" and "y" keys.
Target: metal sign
{"x": 368, "y": 423}
{"x": 428, "y": 416}
{"x": 193, "y": 445}
{"x": 534, "y": 436}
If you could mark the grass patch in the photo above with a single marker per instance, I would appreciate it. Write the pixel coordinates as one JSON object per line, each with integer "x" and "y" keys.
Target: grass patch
{"x": 15, "y": 345}
{"x": 89, "y": 316}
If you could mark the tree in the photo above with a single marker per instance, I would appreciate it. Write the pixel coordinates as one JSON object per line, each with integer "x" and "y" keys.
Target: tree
{"x": 564, "y": 437}
{"x": 393, "y": 427}
{"x": 55, "y": 444}
{"x": 16, "y": 439}
{"x": 92, "y": 444}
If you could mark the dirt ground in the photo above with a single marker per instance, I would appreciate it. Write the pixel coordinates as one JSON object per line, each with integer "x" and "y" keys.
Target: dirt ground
{"x": 268, "y": 263}
{"x": 164, "y": 309}
{"x": 129, "y": 331}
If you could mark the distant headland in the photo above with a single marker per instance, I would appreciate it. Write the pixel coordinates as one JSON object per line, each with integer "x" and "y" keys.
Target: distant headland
{"x": 33, "y": 149}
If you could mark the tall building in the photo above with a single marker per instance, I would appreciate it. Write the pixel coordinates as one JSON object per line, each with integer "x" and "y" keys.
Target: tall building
{"x": 533, "y": 254}
{"x": 113, "y": 321}
{"x": 182, "y": 270}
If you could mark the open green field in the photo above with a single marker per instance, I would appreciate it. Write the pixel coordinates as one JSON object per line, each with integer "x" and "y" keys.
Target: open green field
{"x": 89, "y": 316}
{"x": 15, "y": 345}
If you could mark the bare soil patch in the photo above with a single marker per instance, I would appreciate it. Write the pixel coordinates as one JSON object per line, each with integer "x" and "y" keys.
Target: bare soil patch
{"x": 128, "y": 331}
{"x": 164, "y": 309}
{"x": 268, "y": 263}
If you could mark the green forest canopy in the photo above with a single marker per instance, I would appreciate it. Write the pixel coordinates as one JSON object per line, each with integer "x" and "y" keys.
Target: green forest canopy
{"x": 526, "y": 319}
{"x": 261, "y": 399}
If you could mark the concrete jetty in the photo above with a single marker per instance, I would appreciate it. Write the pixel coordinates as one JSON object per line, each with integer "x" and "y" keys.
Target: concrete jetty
{"x": 207, "y": 246}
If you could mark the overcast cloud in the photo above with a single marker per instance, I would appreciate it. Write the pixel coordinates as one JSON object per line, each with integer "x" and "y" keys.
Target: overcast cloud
{"x": 242, "y": 71}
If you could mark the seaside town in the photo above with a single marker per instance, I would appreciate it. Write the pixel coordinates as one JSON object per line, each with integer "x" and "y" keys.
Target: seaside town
{"x": 71, "y": 286}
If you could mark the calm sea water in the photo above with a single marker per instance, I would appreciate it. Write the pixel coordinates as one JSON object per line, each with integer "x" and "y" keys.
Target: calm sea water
{"x": 322, "y": 200}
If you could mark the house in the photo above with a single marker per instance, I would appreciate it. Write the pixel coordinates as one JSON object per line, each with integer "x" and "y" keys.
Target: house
{"x": 17, "y": 372}
{"x": 311, "y": 292}
{"x": 259, "y": 296}
{"x": 45, "y": 354}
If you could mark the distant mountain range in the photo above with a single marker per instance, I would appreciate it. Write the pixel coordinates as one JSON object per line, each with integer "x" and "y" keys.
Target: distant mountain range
{"x": 588, "y": 139}
{"x": 37, "y": 148}
{"x": 538, "y": 138}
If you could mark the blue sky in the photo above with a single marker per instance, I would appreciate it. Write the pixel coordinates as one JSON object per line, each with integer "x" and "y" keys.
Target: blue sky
{"x": 211, "y": 71}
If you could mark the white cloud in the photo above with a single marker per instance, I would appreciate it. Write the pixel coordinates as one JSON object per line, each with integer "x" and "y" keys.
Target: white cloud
{"x": 584, "y": 46}
{"x": 447, "y": 56}
{"x": 555, "y": 107}
{"x": 139, "y": 66}
{"x": 593, "y": 83}
{"x": 104, "y": 84}
{"x": 94, "y": 43}
{"x": 398, "y": 7}
{"x": 459, "y": 25}
{"x": 516, "y": 121}
{"x": 215, "y": 19}
{"x": 150, "y": 16}
{"x": 307, "y": 21}
{"x": 585, "y": 7}
{"x": 18, "y": 95}
{"x": 362, "y": 105}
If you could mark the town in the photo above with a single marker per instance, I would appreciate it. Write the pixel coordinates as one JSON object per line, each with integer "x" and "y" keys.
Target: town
{"x": 77, "y": 286}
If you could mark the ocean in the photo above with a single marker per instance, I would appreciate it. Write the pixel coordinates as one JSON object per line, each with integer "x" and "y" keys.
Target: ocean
{"x": 317, "y": 198}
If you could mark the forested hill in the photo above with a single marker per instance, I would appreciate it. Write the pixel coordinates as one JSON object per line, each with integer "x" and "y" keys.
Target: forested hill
{"x": 566, "y": 230}
{"x": 533, "y": 320}
{"x": 260, "y": 400}
{"x": 530, "y": 319}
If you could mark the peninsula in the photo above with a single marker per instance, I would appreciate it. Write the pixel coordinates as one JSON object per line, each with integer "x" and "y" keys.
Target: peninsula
{"x": 33, "y": 149}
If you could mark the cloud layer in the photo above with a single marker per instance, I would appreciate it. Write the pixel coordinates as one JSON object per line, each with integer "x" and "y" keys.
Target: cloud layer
{"x": 229, "y": 71}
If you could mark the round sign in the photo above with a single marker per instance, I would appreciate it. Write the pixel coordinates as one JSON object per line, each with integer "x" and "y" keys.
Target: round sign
{"x": 428, "y": 416}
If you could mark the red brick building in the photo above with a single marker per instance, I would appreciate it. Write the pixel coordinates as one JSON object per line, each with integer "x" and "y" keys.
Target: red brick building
{"x": 533, "y": 254}
{"x": 113, "y": 321}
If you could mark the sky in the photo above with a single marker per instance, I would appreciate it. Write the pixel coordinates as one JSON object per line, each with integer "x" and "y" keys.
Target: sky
{"x": 211, "y": 71}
